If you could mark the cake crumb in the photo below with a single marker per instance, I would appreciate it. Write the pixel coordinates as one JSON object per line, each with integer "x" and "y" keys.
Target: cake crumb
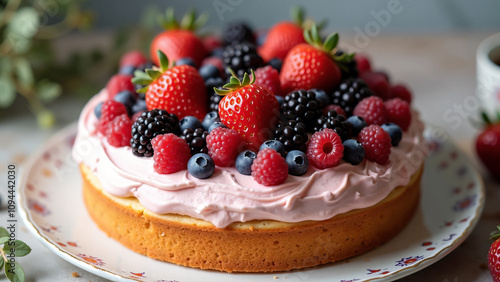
{"x": 251, "y": 228}
{"x": 275, "y": 277}
{"x": 75, "y": 274}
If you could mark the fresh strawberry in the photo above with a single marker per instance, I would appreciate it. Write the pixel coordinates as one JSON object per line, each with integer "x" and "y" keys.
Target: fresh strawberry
{"x": 249, "y": 109}
{"x": 378, "y": 83}
{"x": 133, "y": 58}
{"x": 312, "y": 65}
{"x": 179, "y": 90}
{"x": 179, "y": 40}
{"x": 268, "y": 77}
{"x": 488, "y": 145}
{"x": 494, "y": 256}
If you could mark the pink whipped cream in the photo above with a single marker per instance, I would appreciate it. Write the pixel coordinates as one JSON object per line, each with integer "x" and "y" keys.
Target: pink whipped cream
{"x": 229, "y": 196}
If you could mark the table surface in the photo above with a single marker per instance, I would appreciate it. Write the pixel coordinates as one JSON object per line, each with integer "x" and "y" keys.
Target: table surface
{"x": 439, "y": 68}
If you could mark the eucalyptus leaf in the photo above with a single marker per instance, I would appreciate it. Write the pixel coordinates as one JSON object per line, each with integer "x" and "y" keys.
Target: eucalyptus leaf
{"x": 7, "y": 92}
{"x": 14, "y": 273}
{"x": 25, "y": 22}
{"x": 48, "y": 90}
{"x": 24, "y": 72}
{"x": 19, "y": 247}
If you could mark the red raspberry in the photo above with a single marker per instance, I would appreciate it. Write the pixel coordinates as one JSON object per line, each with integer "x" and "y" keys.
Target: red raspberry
{"x": 362, "y": 63}
{"x": 398, "y": 112}
{"x": 109, "y": 110}
{"x": 372, "y": 110}
{"x": 171, "y": 153}
{"x": 325, "y": 149}
{"x": 118, "y": 83}
{"x": 376, "y": 142}
{"x": 336, "y": 108}
{"x": 119, "y": 131}
{"x": 133, "y": 58}
{"x": 269, "y": 168}
{"x": 223, "y": 145}
{"x": 268, "y": 77}
{"x": 378, "y": 83}
{"x": 402, "y": 92}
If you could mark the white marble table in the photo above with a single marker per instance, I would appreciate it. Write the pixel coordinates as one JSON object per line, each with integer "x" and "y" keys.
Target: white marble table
{"x": 439, "y": 68}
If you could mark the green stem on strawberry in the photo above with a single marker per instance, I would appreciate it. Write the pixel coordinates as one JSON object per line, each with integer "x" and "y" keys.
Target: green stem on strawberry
{"x": 495, "y": 234}
{"x": 190, "y": 21}
{"x": 235, "y": 83}
{"x": 298, "y": 16}
{"x": 146, "y": 77}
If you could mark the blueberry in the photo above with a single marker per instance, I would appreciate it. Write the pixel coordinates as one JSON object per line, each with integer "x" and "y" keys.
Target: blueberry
{"x": 321, "y": 96}
{"x": 275, "y": 145}
{"x": 354, "y": 152}
{"x": 209, "y": 71}
{"x": 185, "y": 61}
{"x": 394, "y": 131}
{"x": 139, "y": 106}
{"x": 297, "y": 161}
{"x": 97, "y": 110}
{"x": 280, "y": 99}
{"x": 357, "y": 123}
{"x": 217, "y": 52}
{"x": 276, "y": 64}
{"x": 201, "y": 166}
{"x": 244, "y": 162}
{"x": 127, "y": 98}
{"x": 127, "y": 70}
{"x": 189, "y": 122}
{"x": 215, "y": 125}
{"x": 209, "y": 119}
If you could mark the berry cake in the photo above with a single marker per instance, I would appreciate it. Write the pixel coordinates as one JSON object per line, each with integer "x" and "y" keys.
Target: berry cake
{"x": 238, "y": 160}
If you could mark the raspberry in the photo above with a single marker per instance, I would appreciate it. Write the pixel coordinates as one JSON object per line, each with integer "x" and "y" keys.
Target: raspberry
{"x": 325, "y": 149}
{"x": 268, "y": 77}
{"x": 398, "y": 112}
{"x": 362, "y": 63}
{"x": 118, "y": 83}
{"x": 377, "y": 143}
{"x": 171, "y": 153}
{"x": 109, "y": 110}
{"x": 269, "y": 168}
{"x": 378, "y": 83}
{"x": 372, "y": 110}
{"x": 223, "y": 145}
{"x": 333, "y": 107}
{"x": 402, "y": 92}
{"x": 119, "y": 130}
{"x": 133, "y": 58}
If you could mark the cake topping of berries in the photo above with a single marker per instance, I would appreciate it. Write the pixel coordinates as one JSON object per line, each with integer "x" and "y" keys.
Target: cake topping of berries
{"x": 196, "y": 139}
{"x": 201, "y": 166}
{"x": 244, "y": 162}
{"x": 118, "y": 131}
{"x": 372, "y": 110}
{"x": 171, "y": 153}
{"x": 223, "y": 145}
{"x": 378, "y": 83}
{"x": 325, "y": 149}
{"x": 297, "y": 161}
{"x": 269, "y": 168}
{"x": 147, "y": 126}
{"x": 249, "y": 109}
{"x": 241, "y": 58}
{"x": 398, "y": 112}
{"x": 292, "y": 134}
{"x": 179, "y": 89}
{"x": 349, "y": 93}
{"x": 302, "y": 106}
{"x": 376, "y": 142}
{"x": 354, "y": 153}
{"x": 109, "y": 110}
{"x": 268, "y": 77}
{"x": 394, "y": 131}
{"x": 336, "y": 122}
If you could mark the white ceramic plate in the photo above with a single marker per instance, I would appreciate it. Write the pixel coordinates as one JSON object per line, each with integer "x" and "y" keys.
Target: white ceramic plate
{"x": 51, "y": 206}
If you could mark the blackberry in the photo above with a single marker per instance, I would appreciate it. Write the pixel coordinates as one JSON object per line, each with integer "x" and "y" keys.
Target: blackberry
{"x": 237, "y": 32}
{"x": 292, "y": 134}
{"x": 147, "y": 126}
{"x": 349, "y": 93}
{"x": 196, "y": 140}
{"x": 302, "y": 106}
{"x": 213, "y": 98}
{"x": 241, "y": 58}
{"x": 348, "y": 68}
{"x": 336, "y": 122}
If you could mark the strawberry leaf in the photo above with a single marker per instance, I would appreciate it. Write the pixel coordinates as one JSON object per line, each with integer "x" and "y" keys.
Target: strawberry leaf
{"x": 331, "y": 42}
{"x": 163, "y": 60}
{"x": 485, "y": 117}
{"x": 154, "y": 74}
{"x": 298, "y": 15}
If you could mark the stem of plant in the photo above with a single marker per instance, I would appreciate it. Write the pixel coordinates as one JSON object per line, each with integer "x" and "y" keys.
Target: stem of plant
{"x": 3, "y": 255}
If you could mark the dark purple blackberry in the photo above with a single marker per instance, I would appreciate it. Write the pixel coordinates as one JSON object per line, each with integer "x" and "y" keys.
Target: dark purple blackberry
{"x": 302, "y": 106}
{"x": 336, "y": 122}
{"x": 292, "y": 134}
{"x": 349, "y": 93}
{"x": 213, "y": 98}
{"x": 241, "y": 58}
{"x": 148, "y": 126}
{"x": 196, "y": 140}
{"x": 348, "y": 68}
{"x": 237, "y": 32}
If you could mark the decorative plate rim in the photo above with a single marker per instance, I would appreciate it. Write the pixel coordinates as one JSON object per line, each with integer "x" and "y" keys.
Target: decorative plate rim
{"x": 71, "y": 128}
